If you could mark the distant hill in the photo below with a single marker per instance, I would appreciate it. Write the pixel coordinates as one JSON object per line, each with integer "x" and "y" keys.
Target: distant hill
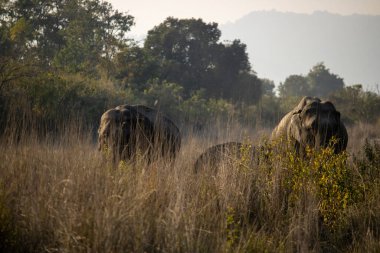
{"x": 280, "y": 44}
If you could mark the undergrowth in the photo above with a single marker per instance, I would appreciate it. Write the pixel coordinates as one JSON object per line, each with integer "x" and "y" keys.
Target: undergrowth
{"x": 68, "y": 197}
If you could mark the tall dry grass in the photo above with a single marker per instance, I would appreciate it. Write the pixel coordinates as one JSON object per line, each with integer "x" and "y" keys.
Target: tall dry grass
{"x": 58, "y": 194}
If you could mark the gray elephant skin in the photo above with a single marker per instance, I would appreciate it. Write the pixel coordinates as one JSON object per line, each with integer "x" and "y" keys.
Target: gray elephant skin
{"x": 131, "y": 129}
{"x": 213, "y": 157}
{"x": 312, "y": 123}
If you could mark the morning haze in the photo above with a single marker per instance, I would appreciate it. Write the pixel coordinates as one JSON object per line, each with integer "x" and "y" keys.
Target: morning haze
{"x": 284, "y": 37}
{"x": 284, "y": 43}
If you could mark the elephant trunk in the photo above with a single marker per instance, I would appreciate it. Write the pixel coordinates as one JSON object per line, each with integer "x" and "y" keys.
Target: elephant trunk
{"x": 326, "y": 131}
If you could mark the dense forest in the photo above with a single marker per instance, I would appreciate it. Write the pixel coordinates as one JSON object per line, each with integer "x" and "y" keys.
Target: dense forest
{"x": 60, "y": 58}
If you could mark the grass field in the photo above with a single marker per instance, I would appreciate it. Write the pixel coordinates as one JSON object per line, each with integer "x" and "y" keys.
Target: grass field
{"x": 58, "y": 194}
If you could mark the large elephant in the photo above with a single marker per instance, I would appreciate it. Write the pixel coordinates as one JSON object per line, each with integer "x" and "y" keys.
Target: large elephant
{"x": 127, "y": 130}
{"x": 312, "y": 123}
{"x": 222, "y": 154}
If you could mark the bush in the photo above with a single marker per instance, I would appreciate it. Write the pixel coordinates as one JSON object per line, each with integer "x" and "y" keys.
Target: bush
{"x": 49, "y": 100}
{"x": 165, "y": 96}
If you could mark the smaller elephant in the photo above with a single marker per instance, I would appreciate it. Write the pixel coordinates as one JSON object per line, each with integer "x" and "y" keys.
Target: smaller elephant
{"x": 312, "y": 123}
{"x": 214, "y": 157}
{"x": 127, "y": 130}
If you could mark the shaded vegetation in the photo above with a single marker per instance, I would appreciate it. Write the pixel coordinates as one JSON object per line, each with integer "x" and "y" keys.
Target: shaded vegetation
{"x": 63, "y": 196}
{"x": 63, "y": 63}
{"x": 74, "y": 57}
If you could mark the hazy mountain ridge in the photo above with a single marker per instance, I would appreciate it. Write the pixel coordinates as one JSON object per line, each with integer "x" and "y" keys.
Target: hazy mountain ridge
{"x": 280, "y": 44}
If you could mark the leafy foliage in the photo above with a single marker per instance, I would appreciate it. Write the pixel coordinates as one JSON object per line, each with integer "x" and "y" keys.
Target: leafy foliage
{"x": 165, "y": 96}
{"x": 319, "y": 82}
{"x": 75, "y": 55}
{"x": 134, "y": 68}
{"x": 357, "y": 105}
{"x": 294, "y": 85}
{"x": 188, "y": 52}
{"x": 68, "y": 33}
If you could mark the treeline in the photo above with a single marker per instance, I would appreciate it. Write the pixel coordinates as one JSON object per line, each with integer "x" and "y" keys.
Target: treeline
{"x": 354, "y": 103}
{"x": 74, "y": 57}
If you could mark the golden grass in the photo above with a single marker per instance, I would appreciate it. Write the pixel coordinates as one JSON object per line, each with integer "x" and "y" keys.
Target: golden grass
{"x": 58, "y": 194}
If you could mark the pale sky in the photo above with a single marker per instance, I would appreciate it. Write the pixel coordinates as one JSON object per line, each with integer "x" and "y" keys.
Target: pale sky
{"x": 149, "y": 13}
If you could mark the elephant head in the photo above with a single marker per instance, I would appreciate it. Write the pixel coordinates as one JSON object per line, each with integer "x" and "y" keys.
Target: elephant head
{"x": 121, "y": 130}
{"x": 314, "y": 123}
{"x": 127, "y": 129}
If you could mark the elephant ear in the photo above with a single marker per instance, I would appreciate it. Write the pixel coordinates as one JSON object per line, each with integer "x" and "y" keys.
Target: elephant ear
{"x": 105, "y": 124}
{"x": 294, "y": 129}
{"x": 145, "y": 123}
{"x": 103, "y": 129}
{"x": 138, "y": 120}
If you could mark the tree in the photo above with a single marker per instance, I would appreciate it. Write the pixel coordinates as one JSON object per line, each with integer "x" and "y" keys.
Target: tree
{"x": 231, "y": 74}
{"x": 44, "y": 44}
{"x": 72, "y": 34}
{"x": 134, "y": 67}
{"x": 322, "y": 82}
{"x": 184, "y": 49}
{"x": 267, "y": 87}
{"x": 319, "y": 82}
{"x": 245, "y": 89}
{"x": 93, "y": 34}
{"x": 356, "y": 105}
{"x": 188, "y": 52}
{"x": 294, "y": 85}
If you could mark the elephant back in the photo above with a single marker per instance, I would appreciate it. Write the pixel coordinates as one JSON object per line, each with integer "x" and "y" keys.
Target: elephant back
{"x": 228, "y": 153}
{"x": 163, "y": 125}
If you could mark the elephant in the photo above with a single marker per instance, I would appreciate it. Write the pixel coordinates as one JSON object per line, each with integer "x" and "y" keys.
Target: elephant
{"x": 214, "y": 156}
{"x": 127, "y": 130}
{"x": 313, "y": 123}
